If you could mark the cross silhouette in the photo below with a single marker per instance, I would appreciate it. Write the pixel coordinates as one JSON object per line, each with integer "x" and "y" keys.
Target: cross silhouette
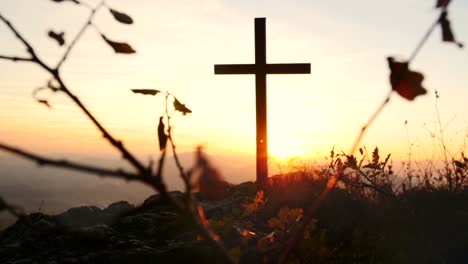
{"x": 261, "y": 69}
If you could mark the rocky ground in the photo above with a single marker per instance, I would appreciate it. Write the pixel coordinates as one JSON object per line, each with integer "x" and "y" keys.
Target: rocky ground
{"x": 120, "y": 233}
{"x": 418, "y": 226}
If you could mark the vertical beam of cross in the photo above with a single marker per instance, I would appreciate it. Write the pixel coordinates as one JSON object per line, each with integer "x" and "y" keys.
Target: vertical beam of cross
{"x": 261, "y": 69}
{"x": 261, "y": 101}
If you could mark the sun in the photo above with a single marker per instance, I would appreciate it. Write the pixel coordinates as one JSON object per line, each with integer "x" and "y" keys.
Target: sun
{"x": 282, "y": 152}
{"x": 282, "y": 147}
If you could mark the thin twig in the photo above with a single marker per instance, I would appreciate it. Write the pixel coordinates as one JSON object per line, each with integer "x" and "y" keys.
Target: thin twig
{"x": 29, "y": 48}
{"x": 182, "y": 172}
{"x": 114, "y": 142}
{"x": 370, "y": 121}
{"x": 79, "y": 34}
{"x": 44, "y": 161}
{"x": 15, "y": 59}
{"x": 425, "y": 38}
{"x": 55, "y": 73}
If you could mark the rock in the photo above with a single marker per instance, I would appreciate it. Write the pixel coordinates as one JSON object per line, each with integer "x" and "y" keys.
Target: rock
{"x": 80, "y": 216}
{"x": 87, "y": 234}
{"x": 113, "y": 212}
{"x": 152, "y": 224}
{"x": 95, "y": 233}
{"x": 118, "y": 208}
{"x": 23, "y": 261}
{"x": 86, "y": 216}
{"x": 69, "y": 261}
{"x": 155, "y": 199}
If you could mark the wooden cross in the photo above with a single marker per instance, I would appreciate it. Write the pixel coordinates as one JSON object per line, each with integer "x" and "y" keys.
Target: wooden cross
{"x": 261, "y": 69}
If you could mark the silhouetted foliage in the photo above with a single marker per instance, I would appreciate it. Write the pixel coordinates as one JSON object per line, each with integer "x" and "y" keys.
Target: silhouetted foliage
{"x": 406, "y": 83}
{"x": 61, "y": 1}
{"x": 181, "y": 107}
{"x": 146, "y": 91}
{"x": 162, "y": 137}
{"x": 119, "y": 47}
{"x": 58, "y": 37}
{"x": 121, "y": 17}
{"x": 447, "y": 34}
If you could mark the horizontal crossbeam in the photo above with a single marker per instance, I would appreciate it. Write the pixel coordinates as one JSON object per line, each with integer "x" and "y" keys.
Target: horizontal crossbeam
{"x": 280, "y": 68}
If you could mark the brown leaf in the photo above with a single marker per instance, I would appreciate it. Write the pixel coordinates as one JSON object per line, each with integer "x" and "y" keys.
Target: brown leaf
{"x": 59, "y": 37}
{"x": 447, "y": 33}
{"x": 442, "y": 3}
{"x": 181, "y": 107}
{"x": 119, "y": 47}
{"x": 406, "y": 83}
{"x": 61, "y": 1}
{"x": 146, "y": 91}
{"x": 162, "y": 137}
{"x": 121, "y": 17}
{"x": 44, "y": 102}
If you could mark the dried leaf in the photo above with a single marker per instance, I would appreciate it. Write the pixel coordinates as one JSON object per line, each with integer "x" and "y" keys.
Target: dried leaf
{"x": 442, "y": 3}
{"x": 162, "y": 137}
{"x": 375, "y": 156}
{"x": 351, "y": 162}
{"x": 181, "y": 107}
{"x": 406, "y": 83}
{"x": 44, "y": 102}
{"x": 119, "y": 47}
{"x": 59, "y": 37}
{"x": 121, "y": 17}
{"x": 447, "y": 33}
{"x": 61, "y": 1}
{"x": 146, "y": 91}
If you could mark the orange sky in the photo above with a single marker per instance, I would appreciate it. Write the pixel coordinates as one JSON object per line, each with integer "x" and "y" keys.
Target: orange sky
{"x": 177, "y": 44}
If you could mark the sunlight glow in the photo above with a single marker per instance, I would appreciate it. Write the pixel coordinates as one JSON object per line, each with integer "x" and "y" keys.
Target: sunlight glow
{"x": 283, "y": 146}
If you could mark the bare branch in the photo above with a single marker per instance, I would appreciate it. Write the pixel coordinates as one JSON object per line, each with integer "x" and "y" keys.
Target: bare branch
{"x": 29, "y": 48}
{"x": 15, "y": 59}
{"x": 116, "y": 143}
{"x": 369, "y": 122}
{"x": 80, "y": 34}
{"x": 55, "y": 73}
{"x": 17, "y": 34}
{"x": 43, "y": 161}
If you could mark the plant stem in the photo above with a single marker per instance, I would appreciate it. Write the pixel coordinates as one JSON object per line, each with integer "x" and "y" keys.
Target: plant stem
{"x": 79, "y": 35}
{"x": 370, "y": 121}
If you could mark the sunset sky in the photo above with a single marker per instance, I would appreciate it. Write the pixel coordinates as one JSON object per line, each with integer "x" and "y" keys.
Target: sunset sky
{"x": 179, "y": 41}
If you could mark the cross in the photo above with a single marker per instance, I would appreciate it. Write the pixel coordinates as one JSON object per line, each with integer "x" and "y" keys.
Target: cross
{"x": 261, "y": 69}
